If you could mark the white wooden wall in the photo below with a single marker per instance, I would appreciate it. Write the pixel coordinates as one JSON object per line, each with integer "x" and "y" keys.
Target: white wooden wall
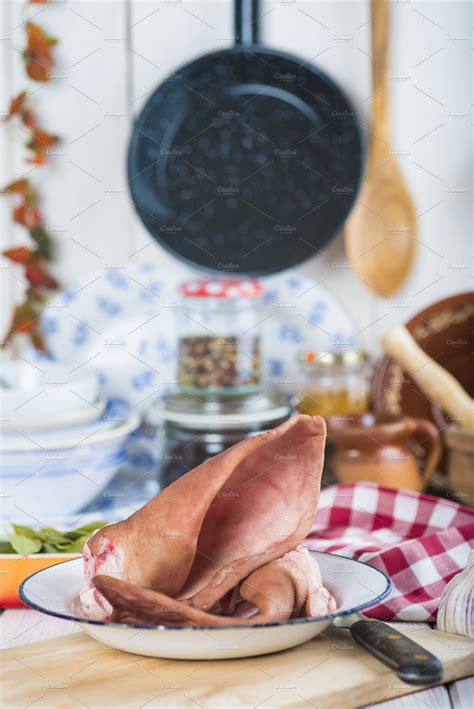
{"x": 112, "y": 53}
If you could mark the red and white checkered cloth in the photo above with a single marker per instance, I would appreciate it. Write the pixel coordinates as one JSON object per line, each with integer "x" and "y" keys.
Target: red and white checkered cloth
{"x": 420, "y": 541}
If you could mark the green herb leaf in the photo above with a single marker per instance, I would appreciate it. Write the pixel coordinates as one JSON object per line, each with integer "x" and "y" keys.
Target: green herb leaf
{"x": 48, "y": 540}
{"x": 25, "y": 545}
{"x": 73, "y": 547}
{"x": 73, "y": 535}
{"x": 26, "y": 531}
{"x": 91, "y": 527}
{"x": 46, "y": 532}
{"x": 49, "y": 549}
{"x": 55, "y": 538}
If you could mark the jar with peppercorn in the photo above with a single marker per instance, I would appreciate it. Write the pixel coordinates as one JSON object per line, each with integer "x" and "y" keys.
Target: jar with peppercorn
{"x": 220, "y": 342}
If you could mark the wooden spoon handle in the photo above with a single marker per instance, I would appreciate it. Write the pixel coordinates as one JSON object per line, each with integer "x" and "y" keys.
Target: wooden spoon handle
{"x": 380, "y": 14}
{"x": 434, "y": 381}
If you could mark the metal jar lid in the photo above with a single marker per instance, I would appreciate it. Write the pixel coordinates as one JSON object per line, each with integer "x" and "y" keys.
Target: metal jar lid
{"x": 220, "y": 412}
{"x": 344, "y": 358}
{"x": 224, "y": 288}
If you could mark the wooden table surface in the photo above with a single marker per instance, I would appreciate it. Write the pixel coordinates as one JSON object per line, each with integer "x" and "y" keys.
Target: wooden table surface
{"x": 21, "y": 626}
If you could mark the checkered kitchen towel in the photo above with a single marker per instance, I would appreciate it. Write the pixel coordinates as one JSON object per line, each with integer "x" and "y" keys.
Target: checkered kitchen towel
{"x": 420, "y": 541}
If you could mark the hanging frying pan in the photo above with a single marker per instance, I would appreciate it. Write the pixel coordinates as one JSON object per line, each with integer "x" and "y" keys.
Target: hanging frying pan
{"x": 246, "y": 160}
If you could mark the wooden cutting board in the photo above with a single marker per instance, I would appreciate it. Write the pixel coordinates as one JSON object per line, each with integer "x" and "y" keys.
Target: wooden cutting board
{"x": 330, "y": 671}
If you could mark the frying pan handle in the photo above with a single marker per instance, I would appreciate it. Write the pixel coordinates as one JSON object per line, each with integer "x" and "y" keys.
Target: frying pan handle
{"x": 411, "y": 662}
{"x": 246, "y": 21}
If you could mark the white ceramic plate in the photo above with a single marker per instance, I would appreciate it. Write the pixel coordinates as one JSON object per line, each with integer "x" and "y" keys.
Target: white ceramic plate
{"x": 49, "y": 395}
{"x": 103, "y": 431}
{"x": 124, "y": 321}
{"x": 88, "y": 414}
{"x": 354, "y": 585}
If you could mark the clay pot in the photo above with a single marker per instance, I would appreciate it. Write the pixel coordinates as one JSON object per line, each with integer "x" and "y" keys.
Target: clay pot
{"x": 380, "y": 448}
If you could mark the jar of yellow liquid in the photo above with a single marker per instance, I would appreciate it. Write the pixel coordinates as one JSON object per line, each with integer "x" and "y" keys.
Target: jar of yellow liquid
{"x": 334, "y": 383}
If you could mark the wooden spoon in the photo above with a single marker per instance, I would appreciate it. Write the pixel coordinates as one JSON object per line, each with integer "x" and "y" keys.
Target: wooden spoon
{"x": 434, "y": 381}
{"x": 380, "y": 232}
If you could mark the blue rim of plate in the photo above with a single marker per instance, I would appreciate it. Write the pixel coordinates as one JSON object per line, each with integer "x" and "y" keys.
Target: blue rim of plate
{"x": 293, "y": 621}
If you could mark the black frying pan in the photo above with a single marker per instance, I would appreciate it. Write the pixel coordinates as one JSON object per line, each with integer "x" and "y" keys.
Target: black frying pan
{"x": 246, "y": 160}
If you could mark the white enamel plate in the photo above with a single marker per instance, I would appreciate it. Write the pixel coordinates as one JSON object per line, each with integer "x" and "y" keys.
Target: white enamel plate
{"x": 354, "y": 585}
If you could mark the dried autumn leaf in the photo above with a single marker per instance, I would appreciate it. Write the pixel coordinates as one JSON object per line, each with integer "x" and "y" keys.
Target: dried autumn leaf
{"x": 37, "y": 340}
{"x": 38, "y": 71}
{"x": 27, "y": 216}
{"x": 39, "y": 277}
{"x": 24, "y": 318}
{"x": 16, "y": 104}
{"x": 17, "y": 187}
{"x": 38, "y": 55}
{"x": 44, "y": 246}
{"x": 39, "y": 143}
{"x": 31, "y": 196}
{"x": 42, "y": 140}
{"x": 38, "y": 158}
{"x": 28, "y": 118}
{"x": 19, "y": 254}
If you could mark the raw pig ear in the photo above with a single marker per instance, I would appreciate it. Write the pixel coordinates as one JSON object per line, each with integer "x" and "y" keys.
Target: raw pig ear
{"x": 132, "y": 604}
{"x": 274, "y": 592}
{"x": 264, "y": 509}
{"x": 155, "y": 547}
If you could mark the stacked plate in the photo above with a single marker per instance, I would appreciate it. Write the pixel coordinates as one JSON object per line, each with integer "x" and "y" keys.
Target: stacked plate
{"x": 59, "y": 445}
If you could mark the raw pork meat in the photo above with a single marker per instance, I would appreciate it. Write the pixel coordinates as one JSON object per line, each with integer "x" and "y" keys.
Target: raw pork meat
{"x": 221, "y": 544}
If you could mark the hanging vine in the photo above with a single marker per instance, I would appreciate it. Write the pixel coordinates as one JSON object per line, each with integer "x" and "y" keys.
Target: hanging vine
{"x": 34, "y": 258}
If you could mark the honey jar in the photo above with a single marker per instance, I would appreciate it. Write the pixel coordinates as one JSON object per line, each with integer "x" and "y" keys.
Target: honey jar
{"x": 334, "y": 383}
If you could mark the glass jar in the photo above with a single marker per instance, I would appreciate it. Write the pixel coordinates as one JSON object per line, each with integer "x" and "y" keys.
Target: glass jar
{"x": 220, "y": 347}
{"x": 189, "y": 431}
{"x": 334, "y": 383}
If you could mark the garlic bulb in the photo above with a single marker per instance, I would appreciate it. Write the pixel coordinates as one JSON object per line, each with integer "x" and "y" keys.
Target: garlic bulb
{"x": 456, "y": 606}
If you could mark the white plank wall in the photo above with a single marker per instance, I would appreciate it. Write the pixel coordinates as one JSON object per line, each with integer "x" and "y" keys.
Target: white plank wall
{"x": 112, "y": 53}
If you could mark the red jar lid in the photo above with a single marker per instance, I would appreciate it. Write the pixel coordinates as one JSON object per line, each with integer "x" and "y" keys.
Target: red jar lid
{"x": 226, "y": 288}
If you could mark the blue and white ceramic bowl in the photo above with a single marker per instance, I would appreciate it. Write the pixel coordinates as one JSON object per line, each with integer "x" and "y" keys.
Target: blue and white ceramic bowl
{"x": 46, "y": 474}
